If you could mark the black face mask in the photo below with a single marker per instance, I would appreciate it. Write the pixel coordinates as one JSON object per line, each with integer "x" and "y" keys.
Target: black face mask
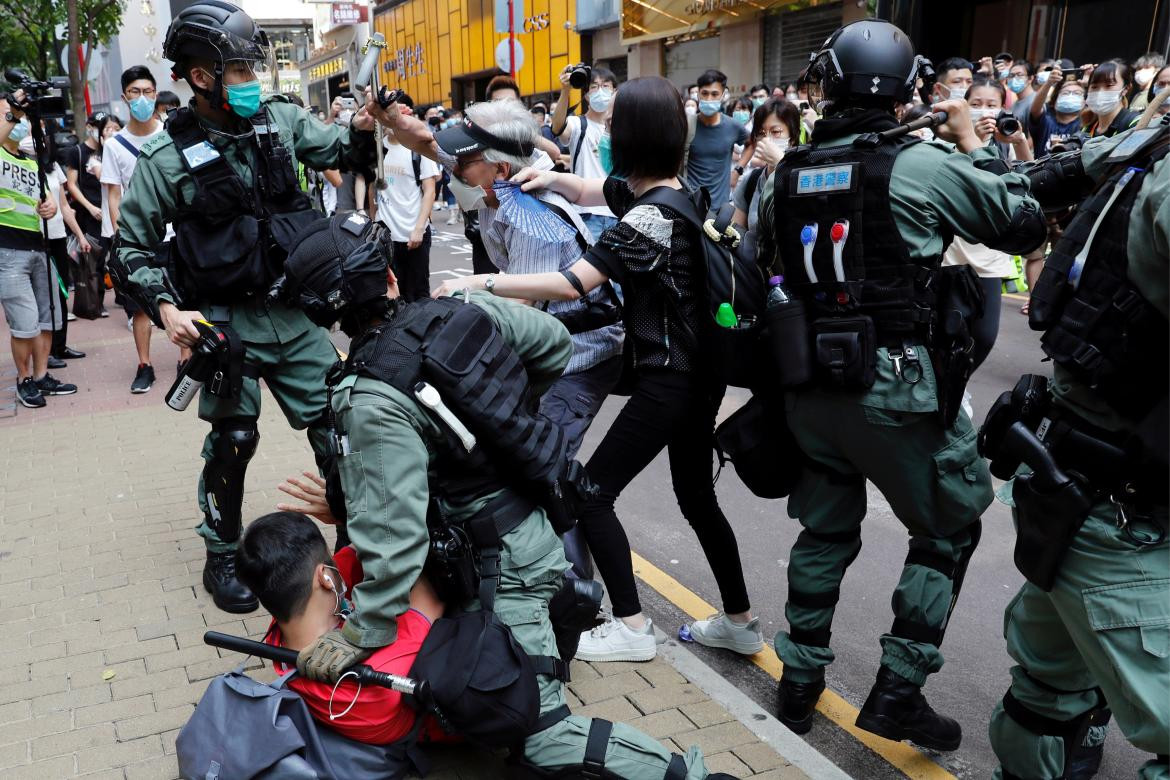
{"x": 435, "y": 121}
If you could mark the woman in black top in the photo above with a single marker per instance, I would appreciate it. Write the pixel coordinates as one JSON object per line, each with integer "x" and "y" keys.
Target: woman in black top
{"x": 650, "y": 253}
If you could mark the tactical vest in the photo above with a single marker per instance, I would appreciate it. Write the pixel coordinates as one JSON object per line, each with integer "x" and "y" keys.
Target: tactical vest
{"x": 456, "y": 347}
{"x": 820, "y": 186}
{"x": 233, "y": 237}
{"x": 1096, "y": 322}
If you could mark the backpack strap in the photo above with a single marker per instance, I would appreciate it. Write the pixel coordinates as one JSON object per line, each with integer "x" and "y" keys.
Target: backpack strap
{"x": 129, "y": 146}
{"x": 583, "y": 124}
{"x": 416, "y": 162}
{"x": 754, "y": 179}
{"x": 692, "y": 126}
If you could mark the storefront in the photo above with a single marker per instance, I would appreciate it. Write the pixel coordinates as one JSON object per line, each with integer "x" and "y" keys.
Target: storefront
{"x": 324, "y": 78}
{"x": 446, "y": 52}
{"x": 749, "y": 40}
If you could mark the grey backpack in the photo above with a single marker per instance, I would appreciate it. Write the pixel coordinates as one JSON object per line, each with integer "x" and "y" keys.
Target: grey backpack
{"x": 246, "y": 729}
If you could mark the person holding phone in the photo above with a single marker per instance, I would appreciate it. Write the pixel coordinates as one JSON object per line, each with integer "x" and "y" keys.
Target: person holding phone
{"x": 1055, "y": 114}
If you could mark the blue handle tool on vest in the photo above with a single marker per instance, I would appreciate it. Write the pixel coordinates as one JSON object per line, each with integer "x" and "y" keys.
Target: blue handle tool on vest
{"x": 808, "y": 238}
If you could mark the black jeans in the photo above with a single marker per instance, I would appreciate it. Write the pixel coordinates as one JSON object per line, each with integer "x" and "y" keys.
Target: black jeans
{"x": 985, "y": 330}
{"x": 58, "y": 250}
{"x": 413, "y": 268}
{"x": 677, "y": 411}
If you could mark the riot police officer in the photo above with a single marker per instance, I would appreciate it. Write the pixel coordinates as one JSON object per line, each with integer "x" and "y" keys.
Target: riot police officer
{"x": 857, "y": 222}
{"x": 431, "y": 409}
{"x": 1090, "y": 629}
{"x": 224, "y": 175}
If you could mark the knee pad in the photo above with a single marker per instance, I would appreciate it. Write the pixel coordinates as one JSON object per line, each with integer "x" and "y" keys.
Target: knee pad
{"x": 223, "y": 474}
{"x": 573, "y": 610}
{"x": 1071, "y": 732}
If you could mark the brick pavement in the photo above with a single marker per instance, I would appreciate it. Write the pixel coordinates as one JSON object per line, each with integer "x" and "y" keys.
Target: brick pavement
{"x": 103, "y": 611}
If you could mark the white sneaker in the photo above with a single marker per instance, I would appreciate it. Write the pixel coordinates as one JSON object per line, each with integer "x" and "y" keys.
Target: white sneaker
{"x": 453, "y": 217}
{"x": 613, "y": 640}
{"x": 719, "y": 631}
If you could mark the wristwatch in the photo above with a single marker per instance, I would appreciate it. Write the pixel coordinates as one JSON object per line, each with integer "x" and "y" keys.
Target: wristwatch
{"x": 489, "y": 284}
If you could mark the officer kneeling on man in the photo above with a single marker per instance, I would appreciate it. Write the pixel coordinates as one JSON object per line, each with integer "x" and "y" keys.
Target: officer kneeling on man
{"x": 437, "y": 451}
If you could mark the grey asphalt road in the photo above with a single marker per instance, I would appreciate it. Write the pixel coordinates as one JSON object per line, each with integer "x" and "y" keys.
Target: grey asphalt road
{"x": 975, "y": 674}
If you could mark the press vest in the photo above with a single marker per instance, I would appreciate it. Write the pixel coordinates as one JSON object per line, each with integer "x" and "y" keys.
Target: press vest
{"x": 1096, "y": 322}
{"x": 19, "y": 191}
{"x": 818, "y": 186}
{"x": 233, "y": 237}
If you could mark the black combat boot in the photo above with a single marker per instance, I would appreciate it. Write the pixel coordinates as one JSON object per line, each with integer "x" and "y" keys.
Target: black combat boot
{"x": 228, "y": 593}
{"x": 797, "y": 702}
{"x": 897, "y": 710}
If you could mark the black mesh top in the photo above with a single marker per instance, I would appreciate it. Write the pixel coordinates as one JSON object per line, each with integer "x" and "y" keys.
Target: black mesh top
{"x": 649, "y": 253}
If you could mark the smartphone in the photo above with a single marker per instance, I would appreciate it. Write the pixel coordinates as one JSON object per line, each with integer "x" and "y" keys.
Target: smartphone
{"x": 350, "y": 103}
{"x": 1072, "y": 75}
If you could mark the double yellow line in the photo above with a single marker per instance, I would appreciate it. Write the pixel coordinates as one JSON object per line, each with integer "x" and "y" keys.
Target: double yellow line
{"x": 900, "y": 755}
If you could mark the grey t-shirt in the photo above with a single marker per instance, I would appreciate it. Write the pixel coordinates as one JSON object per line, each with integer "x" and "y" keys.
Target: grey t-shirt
{"x": 1021, "y": 108}
{"x": 709, "y": 164}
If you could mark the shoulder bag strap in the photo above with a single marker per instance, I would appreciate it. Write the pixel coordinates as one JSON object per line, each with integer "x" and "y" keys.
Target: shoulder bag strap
{"x": 129, "y": 146}
{"x": 583, "y": 125}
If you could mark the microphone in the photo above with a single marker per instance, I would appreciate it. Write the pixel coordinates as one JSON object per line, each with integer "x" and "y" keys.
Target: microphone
{"x": 374, "y": 46}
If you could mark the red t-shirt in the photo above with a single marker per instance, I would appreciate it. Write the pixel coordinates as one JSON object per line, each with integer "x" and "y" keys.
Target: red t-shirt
{"x": 379, "y": 716}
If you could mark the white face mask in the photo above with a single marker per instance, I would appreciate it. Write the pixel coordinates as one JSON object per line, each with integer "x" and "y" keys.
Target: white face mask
{"x": 1042, "y": 77}
{"x": 1103, "y": 101}
{"x": 957, "y": 93}
{"x": 1144, "y": 76}
{"x": 979, "y": 113}
{"x": 469, "y": 198}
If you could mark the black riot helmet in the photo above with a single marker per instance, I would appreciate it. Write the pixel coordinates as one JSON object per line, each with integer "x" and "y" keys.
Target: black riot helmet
{"x": 337, "y": 271}
{"x": 218, "y": 32}
{"x": 868, "y": 62}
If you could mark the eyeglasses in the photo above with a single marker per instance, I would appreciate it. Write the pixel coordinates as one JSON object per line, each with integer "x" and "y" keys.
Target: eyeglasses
{"x": 136, "y": 92}
{"x": 776, "y": 133}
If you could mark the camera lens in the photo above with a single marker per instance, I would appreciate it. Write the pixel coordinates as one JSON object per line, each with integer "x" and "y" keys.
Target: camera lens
{"x": 579, "y": 77}
{"x": 1007, "y": 124}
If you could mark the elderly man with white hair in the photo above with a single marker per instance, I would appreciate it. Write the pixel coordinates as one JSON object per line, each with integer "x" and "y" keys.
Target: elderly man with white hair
{"x": 495, "y": 140}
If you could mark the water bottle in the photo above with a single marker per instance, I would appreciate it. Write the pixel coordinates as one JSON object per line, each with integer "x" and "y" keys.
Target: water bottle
{"x": 788, "y": 339}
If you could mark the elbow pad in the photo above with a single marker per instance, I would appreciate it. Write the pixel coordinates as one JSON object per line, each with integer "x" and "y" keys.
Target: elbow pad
{"x": 1026, "y": 231}
{"x": 146, "y": 296}
{"x": 1058, "y": 181}
{"x": 994, "y": 165}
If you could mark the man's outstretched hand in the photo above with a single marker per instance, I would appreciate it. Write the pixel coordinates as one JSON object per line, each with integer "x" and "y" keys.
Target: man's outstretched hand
{"x": 326, "y": 659}
{"x": 311, "y": 491}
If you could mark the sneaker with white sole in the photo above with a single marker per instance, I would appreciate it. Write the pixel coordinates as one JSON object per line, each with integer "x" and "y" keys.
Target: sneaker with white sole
{"x": 613, "y": 640}
{"x": 720, "y": 631}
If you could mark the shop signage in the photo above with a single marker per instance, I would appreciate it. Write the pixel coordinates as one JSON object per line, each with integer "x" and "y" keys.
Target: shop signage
{"x": 349, "y": 13}
{"x": 407, "y": 61}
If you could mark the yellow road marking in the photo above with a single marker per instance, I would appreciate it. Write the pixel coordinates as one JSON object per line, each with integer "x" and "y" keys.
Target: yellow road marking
{"x": 900, "y": 755}
{"x": 1016, "y": 296}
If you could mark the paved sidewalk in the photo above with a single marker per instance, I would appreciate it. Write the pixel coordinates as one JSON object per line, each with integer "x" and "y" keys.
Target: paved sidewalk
{"x": 103, "y": 611}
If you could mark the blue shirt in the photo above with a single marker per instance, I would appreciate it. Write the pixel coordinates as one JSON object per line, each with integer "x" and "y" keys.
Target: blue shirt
{"x": 709, "y": 164}
{"x": 1047, "y": 130}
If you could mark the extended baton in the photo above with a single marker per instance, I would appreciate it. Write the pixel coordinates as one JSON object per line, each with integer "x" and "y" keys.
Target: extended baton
{"x": 930, "y": 120}
{"x": 367, "y": 675}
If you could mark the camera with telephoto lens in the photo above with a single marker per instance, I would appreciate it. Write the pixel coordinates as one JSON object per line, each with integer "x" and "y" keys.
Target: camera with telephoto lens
{"x": 37, "y": 102}
{"x": 580, "y": 76}
{"x": 1007, "y": 124}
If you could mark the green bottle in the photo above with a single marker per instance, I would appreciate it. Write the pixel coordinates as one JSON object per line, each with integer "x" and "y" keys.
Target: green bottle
{"x": 725, "y": 316}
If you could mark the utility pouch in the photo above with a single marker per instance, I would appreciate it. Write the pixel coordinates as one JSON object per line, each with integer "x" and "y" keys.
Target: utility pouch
{"x": 786, "y": 329}
{"x": 450, "y": 563}
{"x": 845, "y": 351}
{"x": 960, "y": 300}
{"x": 1046, "y": 524}
{"x": 567, "y": 495}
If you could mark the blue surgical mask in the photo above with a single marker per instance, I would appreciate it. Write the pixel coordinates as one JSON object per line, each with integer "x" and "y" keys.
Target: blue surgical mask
{"x": 605, "y": 152}
{"x": 599, "y": 101}
{"x": 142, "y": 108}
{"x": 710, "y": 107}
{"x": 1070, "y": 104}
{"x": 757, "y": 102}
{"x": 20, "y": 131}
{"x": 244, "y": 98}
{"x": 741, "y": 116}
{"x": 1002, "y": 74}
{"x": 1042, "y": 77}
{"x": 1017, "y": 83}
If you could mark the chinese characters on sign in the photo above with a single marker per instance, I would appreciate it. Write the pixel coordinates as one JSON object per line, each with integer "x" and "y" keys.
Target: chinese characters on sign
{"x": 406, "y": 61}
{"x": 349, "y": 13}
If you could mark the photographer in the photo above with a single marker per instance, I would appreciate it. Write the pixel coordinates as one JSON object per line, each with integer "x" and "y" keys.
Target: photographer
{"x": 582, "y": 135}
{"x": 25, "y": 286}
{"x": 1055, "y": 114}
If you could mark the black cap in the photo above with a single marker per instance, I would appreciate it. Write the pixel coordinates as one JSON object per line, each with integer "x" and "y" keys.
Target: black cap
{"x": 1003, "y": 56}
{"x": 95, "y": 117}
{"x": 468, "y": 137}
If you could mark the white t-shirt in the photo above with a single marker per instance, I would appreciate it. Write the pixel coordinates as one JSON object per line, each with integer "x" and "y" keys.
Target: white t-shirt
{"x": 399, "y": 203}
{"x": 987, "y": 263}
{"x": 118, "y": 166}
{"x": 56, "y": 179}
{"x": 588, "y": 163}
